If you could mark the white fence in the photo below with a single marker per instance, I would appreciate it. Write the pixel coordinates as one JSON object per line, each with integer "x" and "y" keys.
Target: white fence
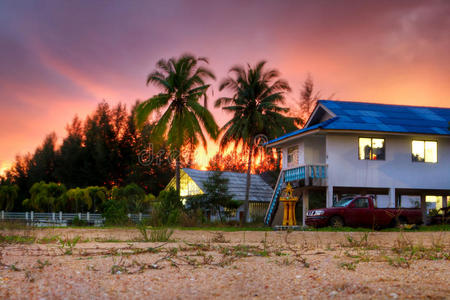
{"x": 62, "y": 219}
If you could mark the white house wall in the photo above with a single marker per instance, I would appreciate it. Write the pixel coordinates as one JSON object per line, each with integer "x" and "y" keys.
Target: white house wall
{"x": 397, "y": 171}
{"x": 314, "y": 150}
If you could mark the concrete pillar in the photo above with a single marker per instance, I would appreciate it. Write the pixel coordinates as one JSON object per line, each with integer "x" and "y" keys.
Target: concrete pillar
{"x": 423, "y": 208}
{"x": 444, "y": 201}
{"x": 60, "y": 216}
{"x": 329, "y": 196}
{"x": 3, "y": 214}
{"x": 305, "y": 205}
{"x": 392, "y": 197}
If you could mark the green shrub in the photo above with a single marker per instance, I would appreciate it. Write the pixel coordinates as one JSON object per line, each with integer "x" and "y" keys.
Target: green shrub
{"x": 192, "y": 218}
{"x": 115, "y": 213}
{"x": 78, "y": 222}
{"x": 169, "y": 208}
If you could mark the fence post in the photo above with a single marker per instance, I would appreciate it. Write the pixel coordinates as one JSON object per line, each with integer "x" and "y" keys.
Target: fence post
{"x": 87, "y": 216}
{"x": 26, "y": 216}
{"x": 53, "y": 216}
{"x": 60, "y": 216}
{"x": 3, "y": 214}
{"x": 32, "y": 216}
{"x": 140, "y": 217}
{"x": 129, "y": 216}
{"x": 79, "y": 216}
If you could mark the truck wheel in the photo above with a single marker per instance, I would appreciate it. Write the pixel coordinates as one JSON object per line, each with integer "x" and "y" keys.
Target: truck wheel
{"x": 336, "y": 221}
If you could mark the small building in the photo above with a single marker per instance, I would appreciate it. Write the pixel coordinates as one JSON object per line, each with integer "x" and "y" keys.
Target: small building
{"x": 399, "y": 154}
{"x": 192, "y": 184}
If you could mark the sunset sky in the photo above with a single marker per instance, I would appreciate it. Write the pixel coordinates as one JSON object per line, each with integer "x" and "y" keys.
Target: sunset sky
{"x": 61, "y": 58}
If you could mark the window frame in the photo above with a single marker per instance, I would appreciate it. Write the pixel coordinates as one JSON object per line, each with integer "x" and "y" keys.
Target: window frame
{"x": 424, "y": 151}
{"x": 371, "y": 143}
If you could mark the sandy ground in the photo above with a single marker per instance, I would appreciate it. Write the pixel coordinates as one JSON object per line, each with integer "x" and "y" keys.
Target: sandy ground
{"x": 231, "y": 265}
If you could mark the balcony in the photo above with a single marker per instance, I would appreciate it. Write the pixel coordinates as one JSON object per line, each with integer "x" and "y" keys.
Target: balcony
{"x": 309, "y": 174}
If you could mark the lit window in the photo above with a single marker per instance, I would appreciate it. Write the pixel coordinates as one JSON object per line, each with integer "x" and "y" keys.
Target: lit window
{"x": 371, "y": 149}
{"x": 434, "y": 204}
{"x": 424, "y": 151}
{"x": 292, "y": 157}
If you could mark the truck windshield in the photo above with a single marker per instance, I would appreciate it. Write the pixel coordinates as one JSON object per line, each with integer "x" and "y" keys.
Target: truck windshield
{"x": 344, "y": 202}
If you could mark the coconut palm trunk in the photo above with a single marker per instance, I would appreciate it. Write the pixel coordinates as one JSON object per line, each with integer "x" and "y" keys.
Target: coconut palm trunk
{"x": 177, "y": 174}
{"x": 249, "y": 181}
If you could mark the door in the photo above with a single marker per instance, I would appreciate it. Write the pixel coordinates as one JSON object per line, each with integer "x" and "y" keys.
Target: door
{"x": 241, "y": 216}
{"x": 359, "y": 213}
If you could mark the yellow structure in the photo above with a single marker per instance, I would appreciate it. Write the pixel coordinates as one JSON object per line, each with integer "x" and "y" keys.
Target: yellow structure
{"x": 289, "y": 206}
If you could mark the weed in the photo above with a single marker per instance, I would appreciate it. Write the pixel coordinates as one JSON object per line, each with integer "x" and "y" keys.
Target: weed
{"x": 263, "y": 253}
{"x": 298, "y": 256}
{"x": 200, "y": 247}
{"x": 207, "y": 260}
{"x": 329, "y": 248}
{"x": 143, "y": 230}
{"x": 66, "y": 245}
{"x": 352, "y": 242}
{"x": 17, "y": 239}
{"x": 286, "y": 262}
{"x": 49, "y": 239}
{"x": 29, "y": 276}
{"x": 397, "y": 261}
{"x": 219, "y": 238}
{"x": 41, "y": 265}
{"x": 264, "y": 242}
{"x": 173, "y": 251}
{"x": 161, "y": 235}
{"x": 107, "y": 240}
{"x": 117, "y": 269}
{"x": 348, "y": 265}
{"x": 91, "y": 268}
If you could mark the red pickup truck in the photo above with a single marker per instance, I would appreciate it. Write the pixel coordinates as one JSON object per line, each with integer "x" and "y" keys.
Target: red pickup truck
{"x": 359, "y": 211}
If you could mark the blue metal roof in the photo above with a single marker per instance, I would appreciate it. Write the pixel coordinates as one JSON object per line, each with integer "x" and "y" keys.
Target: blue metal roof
{"x": 381, "y": 118}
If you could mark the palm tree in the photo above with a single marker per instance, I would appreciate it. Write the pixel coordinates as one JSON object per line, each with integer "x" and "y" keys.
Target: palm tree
{"x": 182, "y": 82}
{"x": 257, "y": 94}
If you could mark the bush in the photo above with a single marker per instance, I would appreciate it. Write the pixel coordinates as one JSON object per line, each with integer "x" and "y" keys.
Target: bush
{"x": 169, "y": 207}
{"x": 77, "y": 222}
{"x": 115, "y": 213}
{"x": 192, "y": 219}
{"x": 134, "y": 196}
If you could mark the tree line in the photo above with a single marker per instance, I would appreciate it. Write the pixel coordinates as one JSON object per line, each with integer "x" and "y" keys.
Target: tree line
{"x": 101, "y": 151}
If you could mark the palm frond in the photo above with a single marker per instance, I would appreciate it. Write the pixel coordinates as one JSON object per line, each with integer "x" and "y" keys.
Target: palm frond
{"x": 144, "y": 109}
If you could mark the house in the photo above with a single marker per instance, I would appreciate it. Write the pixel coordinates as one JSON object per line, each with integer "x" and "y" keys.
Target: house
{"x": 192, "y": 184}
{"x": 399, "y": 154}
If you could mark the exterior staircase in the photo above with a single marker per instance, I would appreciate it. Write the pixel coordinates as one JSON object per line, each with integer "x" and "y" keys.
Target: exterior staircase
{"x": 314, "y": 174}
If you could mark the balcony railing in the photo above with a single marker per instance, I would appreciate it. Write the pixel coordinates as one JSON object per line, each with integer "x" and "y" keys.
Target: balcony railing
{"x": 305, "y": 172}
